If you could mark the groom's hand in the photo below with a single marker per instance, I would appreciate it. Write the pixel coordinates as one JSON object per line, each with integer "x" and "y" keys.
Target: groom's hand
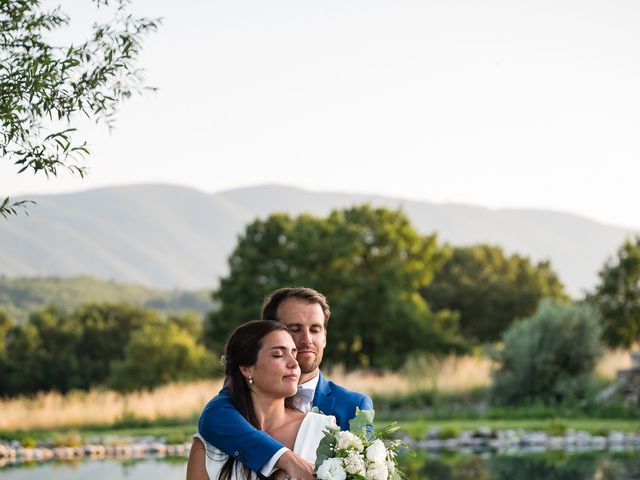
{"x": 295, "y": 467}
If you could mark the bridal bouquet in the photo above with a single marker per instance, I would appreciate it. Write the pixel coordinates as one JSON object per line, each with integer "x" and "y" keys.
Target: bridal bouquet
{"x": 357, "y": 454}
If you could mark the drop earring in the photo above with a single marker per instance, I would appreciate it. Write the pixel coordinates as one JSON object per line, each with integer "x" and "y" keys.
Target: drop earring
{"x": 250, "y": 381}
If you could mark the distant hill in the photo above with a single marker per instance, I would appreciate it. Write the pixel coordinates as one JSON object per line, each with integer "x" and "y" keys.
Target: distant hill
{"x": 21, "y": 296}
{"x": 174, "y": 237}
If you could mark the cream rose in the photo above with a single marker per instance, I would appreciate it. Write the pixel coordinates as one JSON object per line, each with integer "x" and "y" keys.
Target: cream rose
{"x": 348, "y": 440}
{"x": 331, "y": 469}
{"x": 377, "y": 471}
{"x": 376, "y": 452}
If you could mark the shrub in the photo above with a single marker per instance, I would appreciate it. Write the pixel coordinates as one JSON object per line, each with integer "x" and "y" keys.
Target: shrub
{"x": 548, "y": 357}
{"x": 158, "y": 354}
{"x": 67, "y": 439}
{"x": 557, "y": 428}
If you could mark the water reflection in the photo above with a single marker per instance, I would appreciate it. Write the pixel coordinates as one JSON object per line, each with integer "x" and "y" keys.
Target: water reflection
{"x": 544, "y": 466}
{"x": 111, "y": 469}
{"x": 424, "y": 466}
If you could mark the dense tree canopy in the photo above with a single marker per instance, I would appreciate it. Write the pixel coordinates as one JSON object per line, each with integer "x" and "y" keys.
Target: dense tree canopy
{"x": 371, "y": 265}
{"x": 57, "y": 350}
{"x": 5, "y": 325}
{"x": 490, "y": 289}
{"x": 617, "y": 295}
{"x": 43, "y": 85}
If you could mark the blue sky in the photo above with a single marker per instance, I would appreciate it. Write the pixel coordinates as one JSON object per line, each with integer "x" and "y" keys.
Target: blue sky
{"x": 500, "y": 103}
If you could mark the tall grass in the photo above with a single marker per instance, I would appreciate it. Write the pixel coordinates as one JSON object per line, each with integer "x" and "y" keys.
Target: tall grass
{"x": 451, "y": 375}
{"x": 53, "y": 410}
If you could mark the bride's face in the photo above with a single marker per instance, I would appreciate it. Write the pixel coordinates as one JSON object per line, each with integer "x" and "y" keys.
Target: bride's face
{"x": 276, "y": 372}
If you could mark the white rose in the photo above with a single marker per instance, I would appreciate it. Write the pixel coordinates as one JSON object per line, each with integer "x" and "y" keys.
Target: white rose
{"x": 347, "y": 440}
{"x": 376, "y": 452}
{"x": 331, "y": 469}
{"x": 354, "y": 463}
{"x": 377, "y": 471}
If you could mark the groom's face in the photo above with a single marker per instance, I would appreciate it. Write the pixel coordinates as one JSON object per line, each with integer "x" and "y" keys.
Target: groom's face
{"x": 305, "y": 322}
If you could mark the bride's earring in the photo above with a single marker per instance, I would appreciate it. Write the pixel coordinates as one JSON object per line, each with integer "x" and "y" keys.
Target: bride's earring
{"x": 250, "y": 381}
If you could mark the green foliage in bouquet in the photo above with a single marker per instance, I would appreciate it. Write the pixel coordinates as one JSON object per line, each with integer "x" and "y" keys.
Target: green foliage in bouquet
{"x": 359, "y": 453}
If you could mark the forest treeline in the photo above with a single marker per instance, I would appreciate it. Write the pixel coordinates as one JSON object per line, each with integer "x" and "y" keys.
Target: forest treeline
{"x": 394, "y": 294}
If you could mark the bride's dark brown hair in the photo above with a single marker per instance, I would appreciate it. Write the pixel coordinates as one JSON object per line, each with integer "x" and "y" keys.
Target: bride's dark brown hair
{"x": 242, "y": 351}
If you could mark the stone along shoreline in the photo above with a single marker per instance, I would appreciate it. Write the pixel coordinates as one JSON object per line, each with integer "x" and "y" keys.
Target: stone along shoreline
{"x": 12, "y": 453}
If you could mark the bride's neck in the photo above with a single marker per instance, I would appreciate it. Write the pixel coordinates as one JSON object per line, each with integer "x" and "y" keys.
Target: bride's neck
{"x": 270, "y": 412}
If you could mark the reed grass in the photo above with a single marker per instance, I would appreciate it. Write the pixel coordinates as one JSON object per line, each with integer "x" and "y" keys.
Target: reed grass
{"x": 75, "y": 409}
{"x": 450, "y": 375}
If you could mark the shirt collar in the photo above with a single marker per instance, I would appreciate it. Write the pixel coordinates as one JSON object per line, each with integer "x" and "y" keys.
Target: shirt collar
{"x": 310, "y": 384}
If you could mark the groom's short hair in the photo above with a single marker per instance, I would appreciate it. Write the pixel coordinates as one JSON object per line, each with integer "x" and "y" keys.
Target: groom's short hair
{"x": 309, "y": 295}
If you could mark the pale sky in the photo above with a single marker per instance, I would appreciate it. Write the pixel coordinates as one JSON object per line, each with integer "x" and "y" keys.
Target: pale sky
{"x": 497, "y": 103}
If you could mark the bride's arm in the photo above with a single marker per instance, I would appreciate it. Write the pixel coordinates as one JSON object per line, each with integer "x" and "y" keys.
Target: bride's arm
{"x": 294, "y": 466}
{"x": 196, "y": 465}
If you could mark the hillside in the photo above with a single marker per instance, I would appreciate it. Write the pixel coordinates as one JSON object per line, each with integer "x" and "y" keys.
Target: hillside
{"x": 20, "y": 296}
{"x": 174, "y": 237}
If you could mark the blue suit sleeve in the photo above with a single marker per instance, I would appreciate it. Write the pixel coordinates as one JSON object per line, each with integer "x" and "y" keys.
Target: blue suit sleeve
{"x": 366, "y": 403}
{"x": 225, "y": 428}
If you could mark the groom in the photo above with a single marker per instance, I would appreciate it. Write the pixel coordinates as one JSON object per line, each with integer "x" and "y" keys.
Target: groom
{"x": 305, "y": 312}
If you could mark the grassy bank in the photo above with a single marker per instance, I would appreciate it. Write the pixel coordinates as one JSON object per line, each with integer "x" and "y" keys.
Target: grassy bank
{"x": 178, "y": 432}
{"x": 417, "y": 429}
{"x": 450, "y": 392}
{"x": 184, "y": 401}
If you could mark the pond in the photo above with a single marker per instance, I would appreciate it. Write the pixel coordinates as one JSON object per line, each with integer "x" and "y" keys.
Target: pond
{"x": 108, "y": 469}
{"x": 605, "y": 465}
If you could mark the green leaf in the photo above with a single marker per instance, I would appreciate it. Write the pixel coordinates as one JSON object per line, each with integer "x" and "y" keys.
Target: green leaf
{"x": 358, "y": 424}
{"x": 326, "y": 447}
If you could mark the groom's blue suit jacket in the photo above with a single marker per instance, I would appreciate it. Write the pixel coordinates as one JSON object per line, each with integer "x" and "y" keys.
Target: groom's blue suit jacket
{"x": 221, "y": 424}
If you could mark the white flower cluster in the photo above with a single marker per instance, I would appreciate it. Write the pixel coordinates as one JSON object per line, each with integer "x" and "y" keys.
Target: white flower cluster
{"x": 354, "y": 457}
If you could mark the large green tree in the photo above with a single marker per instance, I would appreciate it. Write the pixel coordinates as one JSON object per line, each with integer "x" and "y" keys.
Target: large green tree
{"x": 106, "y": 329}
{"x": 490, "y": 289}
{"x": 617, "y": 295}
{"x": 369, "y": 262}
{"x": 44, "y": 85}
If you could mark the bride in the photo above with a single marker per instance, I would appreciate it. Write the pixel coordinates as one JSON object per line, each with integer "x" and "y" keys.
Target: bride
{"x": 261, "y": 373}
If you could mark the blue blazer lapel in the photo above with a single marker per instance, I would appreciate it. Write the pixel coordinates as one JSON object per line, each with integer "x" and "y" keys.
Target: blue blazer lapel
{"x": 323, "y": 398}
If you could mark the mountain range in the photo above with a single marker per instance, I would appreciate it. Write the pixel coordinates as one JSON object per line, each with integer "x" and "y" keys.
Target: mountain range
{"x": 168, "y": 236}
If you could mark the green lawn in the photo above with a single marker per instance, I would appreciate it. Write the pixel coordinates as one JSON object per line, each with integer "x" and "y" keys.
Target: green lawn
{"x": 415, "y": 428}
{"x": 419, "y": 428}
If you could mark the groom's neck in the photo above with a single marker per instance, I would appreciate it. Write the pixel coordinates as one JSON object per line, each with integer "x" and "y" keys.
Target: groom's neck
{"x": 305, "y": 377}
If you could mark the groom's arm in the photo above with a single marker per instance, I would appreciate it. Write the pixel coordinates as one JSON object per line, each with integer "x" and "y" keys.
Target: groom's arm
{"x": 366, "y": 403}
{"x": 225, "y": 428}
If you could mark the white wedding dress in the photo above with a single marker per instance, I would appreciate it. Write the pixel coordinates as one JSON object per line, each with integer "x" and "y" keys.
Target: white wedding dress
{"x": 309, "y": 435}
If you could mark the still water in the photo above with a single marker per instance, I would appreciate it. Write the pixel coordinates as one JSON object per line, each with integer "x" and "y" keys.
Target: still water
{"x": 111, "y": 469}
{"x": 424, "y": 466}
